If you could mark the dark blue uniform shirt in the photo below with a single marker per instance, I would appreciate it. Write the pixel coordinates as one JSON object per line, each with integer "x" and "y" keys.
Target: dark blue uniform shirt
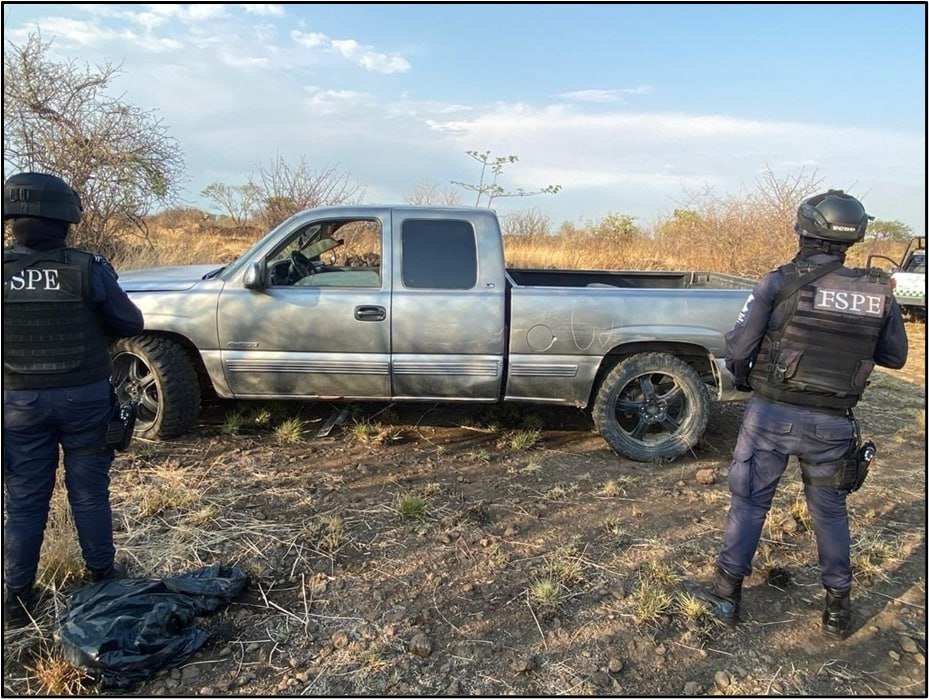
{"x": 758, "y": 314}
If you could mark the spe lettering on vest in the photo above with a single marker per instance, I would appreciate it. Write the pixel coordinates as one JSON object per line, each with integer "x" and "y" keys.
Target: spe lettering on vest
{"x": 35, "y": 279}
{"x": 852, "y": 302}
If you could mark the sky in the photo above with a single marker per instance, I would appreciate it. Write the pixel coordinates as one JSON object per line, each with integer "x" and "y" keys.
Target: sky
{"x": 629, "y": 108}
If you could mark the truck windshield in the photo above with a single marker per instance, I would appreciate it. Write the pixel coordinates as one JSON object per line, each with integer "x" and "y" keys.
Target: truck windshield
{"x": 916, "y": 265}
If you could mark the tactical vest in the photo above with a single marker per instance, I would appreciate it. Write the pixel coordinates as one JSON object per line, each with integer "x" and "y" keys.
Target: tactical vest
{"x": 52, "y": 336}
{"x": 822, "y": 352}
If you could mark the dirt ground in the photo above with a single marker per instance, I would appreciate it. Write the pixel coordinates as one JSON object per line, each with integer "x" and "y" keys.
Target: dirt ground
{"x": 454, "y": 551}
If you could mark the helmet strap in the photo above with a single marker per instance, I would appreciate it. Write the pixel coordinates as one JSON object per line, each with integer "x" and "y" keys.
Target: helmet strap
{"x": 810, "y": 246}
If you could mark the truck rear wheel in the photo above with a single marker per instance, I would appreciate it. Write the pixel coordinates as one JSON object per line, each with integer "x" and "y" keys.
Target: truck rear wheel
{"x": 156, "y": 372}
{"x": 651, "y": 407}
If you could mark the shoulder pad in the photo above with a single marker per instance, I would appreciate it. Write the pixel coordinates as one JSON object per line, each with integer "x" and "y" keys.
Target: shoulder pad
{"x": 878, "y": 275}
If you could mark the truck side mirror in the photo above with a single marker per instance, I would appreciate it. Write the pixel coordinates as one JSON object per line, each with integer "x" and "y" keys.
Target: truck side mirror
{"x": 255, "y": 276}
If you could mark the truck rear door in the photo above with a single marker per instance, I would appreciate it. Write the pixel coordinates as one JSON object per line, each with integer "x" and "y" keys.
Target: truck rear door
{"x": 448, "y": 330}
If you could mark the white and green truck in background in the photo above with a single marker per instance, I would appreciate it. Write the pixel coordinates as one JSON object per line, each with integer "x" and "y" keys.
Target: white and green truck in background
{"x": 908, "y": 277}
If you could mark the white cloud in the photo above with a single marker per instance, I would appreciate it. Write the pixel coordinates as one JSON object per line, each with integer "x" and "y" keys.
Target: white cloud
{"x": 310, "y": 40}
{"x": 369, "y": 59}
{"x": 322, "y": 101}
{"x": 605, "y": 96}
{"x": 264, "y": 9}
{"x": 363, "y": 56}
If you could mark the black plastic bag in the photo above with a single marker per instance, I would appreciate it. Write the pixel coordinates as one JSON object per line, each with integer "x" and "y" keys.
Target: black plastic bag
{"x": 124, "y": 631}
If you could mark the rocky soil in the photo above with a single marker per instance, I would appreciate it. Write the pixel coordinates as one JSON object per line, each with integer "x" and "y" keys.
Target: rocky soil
{"x": 426, "y": 550}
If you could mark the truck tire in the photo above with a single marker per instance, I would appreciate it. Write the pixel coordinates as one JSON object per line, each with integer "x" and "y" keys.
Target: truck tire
{"x": 158, "y": 373}
{"x": 651, "y": 407}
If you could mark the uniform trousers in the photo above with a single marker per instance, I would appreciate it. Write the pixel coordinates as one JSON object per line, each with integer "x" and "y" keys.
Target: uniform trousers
{"x": 771, "y": 433}
{"x": 35, "y": 422}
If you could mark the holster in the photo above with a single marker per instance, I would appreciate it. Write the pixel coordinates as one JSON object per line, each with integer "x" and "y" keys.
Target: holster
{"x": 119, "y": 429}
{"x": 851, "y": 470}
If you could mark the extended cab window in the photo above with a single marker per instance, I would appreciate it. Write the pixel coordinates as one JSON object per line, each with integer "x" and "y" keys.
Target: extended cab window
{"x": 438, "y": 254}
{"x": 330, "y": 253}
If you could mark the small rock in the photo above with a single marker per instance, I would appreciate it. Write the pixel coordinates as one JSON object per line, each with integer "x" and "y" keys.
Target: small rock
{"x": 692, "y": 689}
{"x": 615, "y": 665}
{"x": 601, "y": 679}
{"x": 722, "y": 679}
{"x": 894, "y": 655}
{"x": 706, "y": 476}
{"x": 205, "y": 691}
{"x": 421, "y": 645}
{"x": 510, "y": 531}
{"x": 340, "y": 639}
{"x": 908, "y": 645}
{"x": 898, "y": 625}
{"x": 920, "y": 659}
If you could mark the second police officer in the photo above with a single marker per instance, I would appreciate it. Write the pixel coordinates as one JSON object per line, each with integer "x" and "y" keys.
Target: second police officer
{"x": 806, "y": 341}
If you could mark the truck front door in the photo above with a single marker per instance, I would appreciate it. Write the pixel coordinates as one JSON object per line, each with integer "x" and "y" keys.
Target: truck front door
{"x": 319, "y": 326}
{"x": 448, "y": 334}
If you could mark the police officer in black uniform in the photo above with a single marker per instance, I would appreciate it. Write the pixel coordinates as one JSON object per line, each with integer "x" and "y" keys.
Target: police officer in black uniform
{"x": 59, "y": 307}
{"x": 806, "y": 341}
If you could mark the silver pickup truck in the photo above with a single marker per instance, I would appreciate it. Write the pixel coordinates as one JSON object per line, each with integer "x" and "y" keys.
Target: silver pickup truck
{"x": 379, "y": 303}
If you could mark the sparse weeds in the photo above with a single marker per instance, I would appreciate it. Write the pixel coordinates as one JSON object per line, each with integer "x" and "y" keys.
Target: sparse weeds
{"x": 167, "y": 487}
{"x": 533, "y": 468}
{"x": 546, "y": 594}
{"x": 651, "y": 603}
{"x": 326, "y": 533}
{"x": 566, "y": 566}
{"x": 56, "y": 676}
{"x": 411, "y": 506}
{"x": 525, "y": 439}
{"x": 232, "y": 423}
{"x": 290, "y": 431}
{"x": 61, "y": 558}
{"x": 148, "y": 450}
{"x": 871, "y": 555}
{"x": 366, "y": 432}
{"x": 614, "y": 527}
{"x": 656, "y": 593}
{"x": 694, "y": 612}
{"x": 612, "y": 489}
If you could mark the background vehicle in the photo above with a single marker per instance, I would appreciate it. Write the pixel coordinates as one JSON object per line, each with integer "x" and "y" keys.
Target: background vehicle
{"x": 372, "y": 303}
{"x": 908, "y": 277}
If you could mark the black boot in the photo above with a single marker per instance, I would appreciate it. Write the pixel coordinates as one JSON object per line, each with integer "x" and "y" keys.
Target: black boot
{"x": 116, "y": 571}
{"x": 19, "y": 606}
{"x": 837, "y": 613}
{"x": 728, "y": 589}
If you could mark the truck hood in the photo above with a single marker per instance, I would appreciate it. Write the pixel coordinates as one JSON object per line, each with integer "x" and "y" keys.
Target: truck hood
{"x": 164, "y": 278}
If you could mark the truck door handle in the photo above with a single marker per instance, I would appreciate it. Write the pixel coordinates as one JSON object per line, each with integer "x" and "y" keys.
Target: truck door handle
{"x": 370, "y": 313}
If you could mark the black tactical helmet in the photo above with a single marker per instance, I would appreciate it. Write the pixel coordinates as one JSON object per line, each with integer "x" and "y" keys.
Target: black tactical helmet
{"x": 834, "y": 216}
{"x": 38, "y": 194}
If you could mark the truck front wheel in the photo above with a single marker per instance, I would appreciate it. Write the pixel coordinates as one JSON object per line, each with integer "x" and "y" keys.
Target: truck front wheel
{"x": 158, "y": 373}
{"x": 651, "y": 407}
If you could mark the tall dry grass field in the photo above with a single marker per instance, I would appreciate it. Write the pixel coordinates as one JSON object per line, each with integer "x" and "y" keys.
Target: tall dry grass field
{"x": 734, "y": 247}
